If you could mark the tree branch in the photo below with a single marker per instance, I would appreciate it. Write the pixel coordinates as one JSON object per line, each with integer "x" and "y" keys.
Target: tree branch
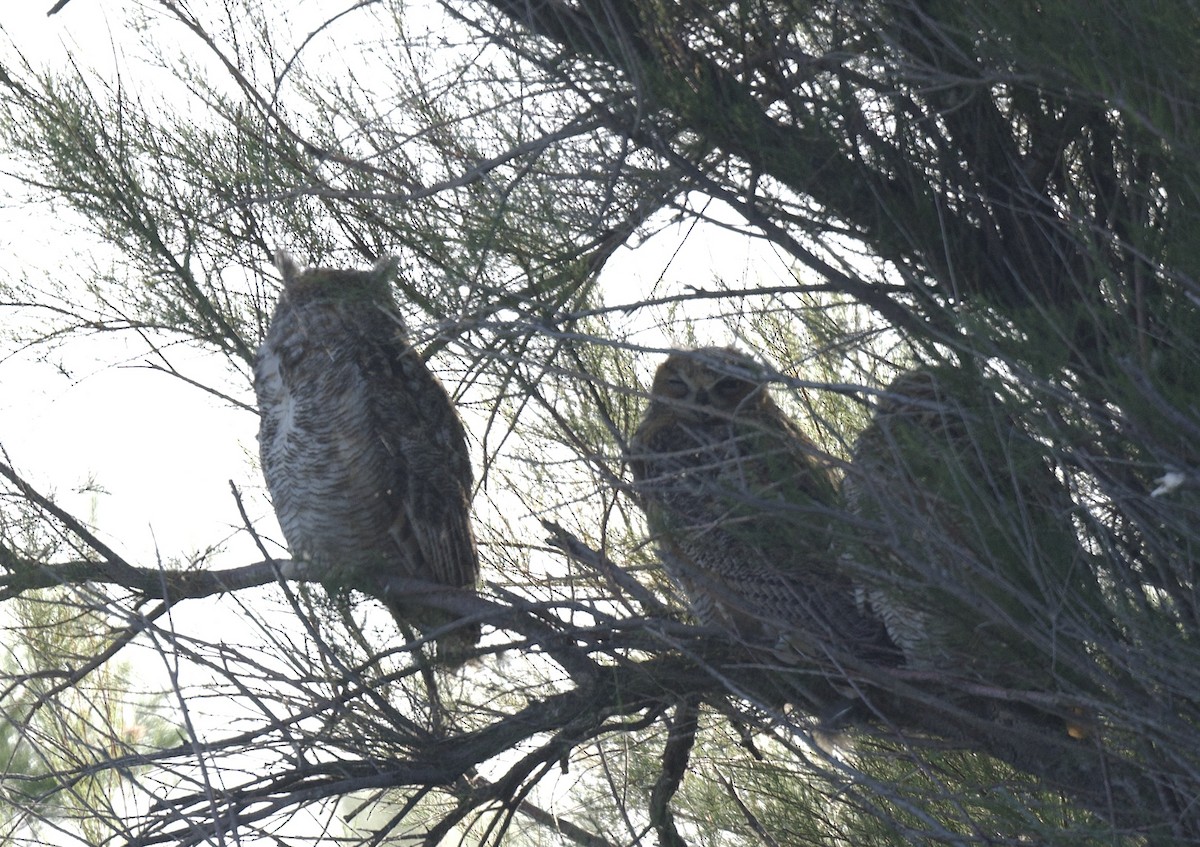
{"x": 681, "y": 736}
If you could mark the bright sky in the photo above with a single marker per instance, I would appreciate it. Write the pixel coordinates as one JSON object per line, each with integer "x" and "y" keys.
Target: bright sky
{"x": 163, "y": 451}
{"x": 82, "y": 28}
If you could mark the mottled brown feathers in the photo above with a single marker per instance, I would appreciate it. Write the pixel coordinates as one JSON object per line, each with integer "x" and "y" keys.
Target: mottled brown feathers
{"x": 363, "y": 452}
{"x": 740, "y": 504}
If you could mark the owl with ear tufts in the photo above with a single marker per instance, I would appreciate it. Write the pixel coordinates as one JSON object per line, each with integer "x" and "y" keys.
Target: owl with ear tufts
{"x": 364, "y": 455}
{"x": 739, "y": 502}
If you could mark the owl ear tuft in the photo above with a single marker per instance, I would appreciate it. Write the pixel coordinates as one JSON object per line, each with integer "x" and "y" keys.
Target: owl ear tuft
{"x": 385, "y": 268}
{"x": 287, "y": 266}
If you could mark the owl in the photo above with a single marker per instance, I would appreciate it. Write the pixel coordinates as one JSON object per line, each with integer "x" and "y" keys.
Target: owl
{"x": 364, "y": 455}
{"x": 963, "y": 535}
{"x": 739, "y": 502}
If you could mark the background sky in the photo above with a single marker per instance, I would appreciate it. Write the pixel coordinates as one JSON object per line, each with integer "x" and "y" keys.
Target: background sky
{"x": 144, "y": 456}
{"x": 163, "y": 451}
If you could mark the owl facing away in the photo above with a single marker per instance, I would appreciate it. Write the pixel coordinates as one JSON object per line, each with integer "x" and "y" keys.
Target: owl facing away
{"x": 964, "y": 534}
{"x": 364, "y": 455}
{"x": 739, "y": 502}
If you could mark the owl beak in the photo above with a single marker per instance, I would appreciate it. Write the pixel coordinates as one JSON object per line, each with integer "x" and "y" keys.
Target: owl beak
{"x": 701, "y": 398}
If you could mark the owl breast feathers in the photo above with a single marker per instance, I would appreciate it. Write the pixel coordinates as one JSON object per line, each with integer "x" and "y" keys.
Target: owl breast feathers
{"x": 363, "y": 453}
{"x": 740, "y": 503}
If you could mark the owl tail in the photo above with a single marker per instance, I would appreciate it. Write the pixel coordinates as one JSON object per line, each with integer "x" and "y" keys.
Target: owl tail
{"x": 456, "y": 647}
{"x": 454, "y": 641}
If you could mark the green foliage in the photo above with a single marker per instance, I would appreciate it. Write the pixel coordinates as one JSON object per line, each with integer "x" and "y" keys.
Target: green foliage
{"x": 70, "y": 746}
{"x": 1006, "y": 192}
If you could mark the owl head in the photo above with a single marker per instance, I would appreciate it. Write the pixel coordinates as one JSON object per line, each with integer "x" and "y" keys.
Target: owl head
{"x": 912, "y": 393}
{"x": 306, "y": 284}
{"x": 710, "y": 382}
{"x": 939, "y": 400}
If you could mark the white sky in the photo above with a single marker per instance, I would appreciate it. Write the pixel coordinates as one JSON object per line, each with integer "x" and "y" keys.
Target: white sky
{"x": 82, "y": 28}
{"x": 164, "y": 452}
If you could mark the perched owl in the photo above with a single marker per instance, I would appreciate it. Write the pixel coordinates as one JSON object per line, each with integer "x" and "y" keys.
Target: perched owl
{"x": 963, "y": 535}
{"x": 364, "y": 455}
{"x": 739, "y": 502}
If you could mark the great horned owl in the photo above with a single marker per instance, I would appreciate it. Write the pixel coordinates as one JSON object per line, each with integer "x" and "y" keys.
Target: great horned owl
{"x": 963, "y": 534}
{"x": 739, "y": 502}
{"x": 364, "y": 455}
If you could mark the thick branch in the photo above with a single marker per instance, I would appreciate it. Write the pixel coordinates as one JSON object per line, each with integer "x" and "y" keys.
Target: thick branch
{"x": 149, "y": 583}
{"x": 895, "y": 214}
{"x": 676, "y": 754}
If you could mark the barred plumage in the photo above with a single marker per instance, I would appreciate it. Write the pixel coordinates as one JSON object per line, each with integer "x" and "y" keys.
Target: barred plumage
{"x": 363, "y": 453}
{"x": 739, "y": 502}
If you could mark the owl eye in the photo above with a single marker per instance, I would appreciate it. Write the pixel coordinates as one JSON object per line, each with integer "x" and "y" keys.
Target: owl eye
{"x": 675, "y": 387}
{"x": 730, "y": 387}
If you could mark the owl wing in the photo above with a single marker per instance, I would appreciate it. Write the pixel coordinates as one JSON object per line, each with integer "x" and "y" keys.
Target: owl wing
{"x": 431, "y": 478}
{"x": 791, "y": 481}
{"x": 802, "y": 583}
{"x": 889, "y": 545}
